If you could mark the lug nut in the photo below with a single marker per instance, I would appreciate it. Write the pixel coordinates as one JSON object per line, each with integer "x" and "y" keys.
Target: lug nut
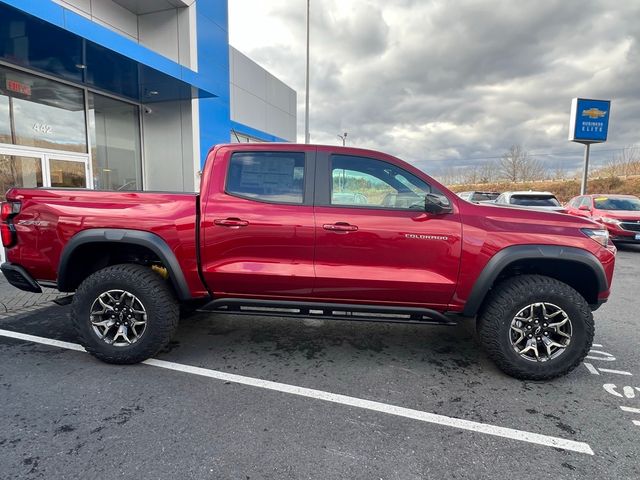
{"x": 546, "y": 333}
{"x": 536, "y": 321}
{"x": 539, "y": 338}
{"x": 530, "y": 336}
{"x": 544, "y": 325}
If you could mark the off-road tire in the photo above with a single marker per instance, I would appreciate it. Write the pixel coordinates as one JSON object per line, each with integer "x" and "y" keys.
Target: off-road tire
{"x": 159, "y": 301}
{"x": 507, "y": 298}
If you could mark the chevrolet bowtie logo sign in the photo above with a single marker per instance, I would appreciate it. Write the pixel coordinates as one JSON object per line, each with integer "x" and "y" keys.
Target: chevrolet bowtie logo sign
{"x": 589, "y": 120}
{"x": 594, "y": 112}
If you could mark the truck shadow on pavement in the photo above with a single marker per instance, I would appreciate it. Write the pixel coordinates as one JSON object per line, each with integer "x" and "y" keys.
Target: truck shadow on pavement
{"x": 262, "y": 344}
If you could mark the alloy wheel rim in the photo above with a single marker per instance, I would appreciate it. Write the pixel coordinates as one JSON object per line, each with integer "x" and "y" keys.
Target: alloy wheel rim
{"x": 540, "y": 332}
{"x": 118, "y": 318}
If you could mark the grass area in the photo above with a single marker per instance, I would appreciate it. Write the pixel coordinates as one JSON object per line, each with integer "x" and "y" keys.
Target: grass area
{"x": 563, "y": 189}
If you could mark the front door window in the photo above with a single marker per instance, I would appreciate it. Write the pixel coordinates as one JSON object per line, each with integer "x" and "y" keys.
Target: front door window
{"x": 366, "y": 182}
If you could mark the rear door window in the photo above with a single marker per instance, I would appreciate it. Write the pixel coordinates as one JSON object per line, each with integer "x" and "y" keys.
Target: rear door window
{"x": 274, "y": 177}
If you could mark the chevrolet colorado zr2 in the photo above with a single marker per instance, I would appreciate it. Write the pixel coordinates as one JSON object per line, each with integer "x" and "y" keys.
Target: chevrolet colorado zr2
{"x": 312, "y": 231}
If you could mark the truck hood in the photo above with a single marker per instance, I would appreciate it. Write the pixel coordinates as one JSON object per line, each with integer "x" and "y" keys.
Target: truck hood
{"x": 559, "y": 208}
{"x": 553, "y": 217}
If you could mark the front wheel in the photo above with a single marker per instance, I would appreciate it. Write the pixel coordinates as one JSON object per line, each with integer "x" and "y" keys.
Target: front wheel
{"x": 124, "y": 313}
{"x": 535, "y": 327}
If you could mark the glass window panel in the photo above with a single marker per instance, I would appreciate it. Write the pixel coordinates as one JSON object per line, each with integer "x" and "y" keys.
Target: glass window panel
{"x": 367, "y": 182}
{"x": 67, "y": 173}
{"x": 5, "y": 120}
{"x": 46, "y": 114}
{"x": 114, "y": 129}
{"x": 272, "y": 177}
{"x": 28, "y": 41}
{"x": 18, "y": 171}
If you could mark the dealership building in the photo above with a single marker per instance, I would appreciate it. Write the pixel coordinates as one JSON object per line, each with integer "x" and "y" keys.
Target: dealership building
{"x": 127, "y": 94}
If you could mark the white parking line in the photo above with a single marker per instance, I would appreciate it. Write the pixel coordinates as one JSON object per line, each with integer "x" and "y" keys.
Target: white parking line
{"x": 630, "y": 409}
{"x": 479, "y": 427}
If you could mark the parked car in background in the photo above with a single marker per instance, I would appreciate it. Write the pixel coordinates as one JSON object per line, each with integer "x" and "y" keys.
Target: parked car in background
{"x": 479, "y": 197}
{"x": 539, "y": 200}
{"x": 619, "y": 213}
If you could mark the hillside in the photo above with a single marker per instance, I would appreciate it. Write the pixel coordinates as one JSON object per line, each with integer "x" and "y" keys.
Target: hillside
{"x": 563, "y": 189}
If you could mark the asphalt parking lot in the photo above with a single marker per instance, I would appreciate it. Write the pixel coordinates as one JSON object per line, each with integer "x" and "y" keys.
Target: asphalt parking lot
{"x": 67, "y": 415}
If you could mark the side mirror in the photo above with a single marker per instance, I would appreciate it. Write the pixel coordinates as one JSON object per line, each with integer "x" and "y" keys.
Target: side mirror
{"x": 584, "y": 208}
{"x": 437, "y": 204}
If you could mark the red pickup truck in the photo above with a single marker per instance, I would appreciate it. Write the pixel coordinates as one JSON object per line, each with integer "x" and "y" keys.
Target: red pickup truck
{"x": 312, "y": 231}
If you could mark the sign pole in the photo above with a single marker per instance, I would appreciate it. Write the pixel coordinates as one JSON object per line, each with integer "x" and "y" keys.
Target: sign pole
{"x": 585, "y": 172}
{"x": 307, "y": 137}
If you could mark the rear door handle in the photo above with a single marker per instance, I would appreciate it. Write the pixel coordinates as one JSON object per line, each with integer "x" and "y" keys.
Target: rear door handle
{"x": 231, "y": 222}
{"x": 340, "y": 227}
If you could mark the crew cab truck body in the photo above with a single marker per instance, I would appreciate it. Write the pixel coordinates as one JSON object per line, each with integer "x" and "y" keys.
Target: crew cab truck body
{"x": 317, "y": 231}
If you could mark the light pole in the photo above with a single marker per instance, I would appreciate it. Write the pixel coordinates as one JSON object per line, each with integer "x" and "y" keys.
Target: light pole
{"x": 307, "y": 137}
{"x": 343, "y": 138}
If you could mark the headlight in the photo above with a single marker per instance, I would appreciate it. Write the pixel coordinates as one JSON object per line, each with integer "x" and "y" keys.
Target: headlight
{"x": 599, "y": 235}
{"x": 611, "y": 221}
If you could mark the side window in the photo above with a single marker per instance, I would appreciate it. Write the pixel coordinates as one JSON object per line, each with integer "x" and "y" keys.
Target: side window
{"x": 501, "y": 198}
{"x": 359, "y": 181}
{"x": 575, "y": 203}
{"x": 586, "y": 201}
{"x": 276, "y": 177}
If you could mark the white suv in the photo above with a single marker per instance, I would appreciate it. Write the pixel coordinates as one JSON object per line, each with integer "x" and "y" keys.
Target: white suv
{"x": 529, "y": 199}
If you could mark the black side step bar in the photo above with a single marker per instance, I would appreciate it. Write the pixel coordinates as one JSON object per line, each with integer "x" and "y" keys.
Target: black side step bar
{"x": 327, "y": 311}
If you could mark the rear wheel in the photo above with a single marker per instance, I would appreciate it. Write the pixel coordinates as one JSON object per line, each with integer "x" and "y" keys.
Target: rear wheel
{"x": 124, "y": 313}
{"x": 535, "y": 327}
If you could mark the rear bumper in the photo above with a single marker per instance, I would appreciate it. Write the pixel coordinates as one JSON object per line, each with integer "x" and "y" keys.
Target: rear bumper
{"x": 20, "y": 278}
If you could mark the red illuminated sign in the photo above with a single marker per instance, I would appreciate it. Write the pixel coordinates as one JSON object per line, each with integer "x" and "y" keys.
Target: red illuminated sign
{"x": 18, "y": 87}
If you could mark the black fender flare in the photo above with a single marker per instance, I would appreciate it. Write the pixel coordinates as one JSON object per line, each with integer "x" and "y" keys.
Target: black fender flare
{"x": 124, "y": 236}
{"x": 515, "y": 253}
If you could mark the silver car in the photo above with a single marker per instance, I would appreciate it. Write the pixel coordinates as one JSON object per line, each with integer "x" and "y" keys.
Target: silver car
{"x": 529, "y": 199}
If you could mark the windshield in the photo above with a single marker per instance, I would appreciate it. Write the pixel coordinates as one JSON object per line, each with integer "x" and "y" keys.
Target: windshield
{"x": 619, "y": 203}
{"x": 534, "y": 200}
{"x": 484, "y": 196}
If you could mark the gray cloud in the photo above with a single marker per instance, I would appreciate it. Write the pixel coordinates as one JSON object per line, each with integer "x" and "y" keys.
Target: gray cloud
{"x": 447, "y": 83}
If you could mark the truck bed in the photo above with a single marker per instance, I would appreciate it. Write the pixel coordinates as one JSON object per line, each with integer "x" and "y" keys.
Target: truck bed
{"x": 48, "y": 218}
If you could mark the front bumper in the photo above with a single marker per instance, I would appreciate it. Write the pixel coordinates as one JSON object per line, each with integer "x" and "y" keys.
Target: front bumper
{"x": 617, "y": 234}
{"x": 624, "y": 238}
{"x": 20, "y": 278}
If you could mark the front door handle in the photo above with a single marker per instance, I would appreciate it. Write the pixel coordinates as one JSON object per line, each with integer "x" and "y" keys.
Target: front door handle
{"x": 340, "y": 227}
{"x": 231, "y": 222}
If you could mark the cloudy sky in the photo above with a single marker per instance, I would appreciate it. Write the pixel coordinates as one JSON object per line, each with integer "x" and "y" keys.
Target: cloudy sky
{"x": 443, "y": 83}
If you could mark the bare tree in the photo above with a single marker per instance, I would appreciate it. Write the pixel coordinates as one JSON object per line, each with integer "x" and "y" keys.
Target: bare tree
{"x": 471, "y": 174}
{"x": 517, "y": 165}
{"x": 559, "y": 172}
{"x": 624, "y": 164}
{"x": 533, "y": 169}
{"x": 449, "y": 175}
{"x": 489, "y": 172}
